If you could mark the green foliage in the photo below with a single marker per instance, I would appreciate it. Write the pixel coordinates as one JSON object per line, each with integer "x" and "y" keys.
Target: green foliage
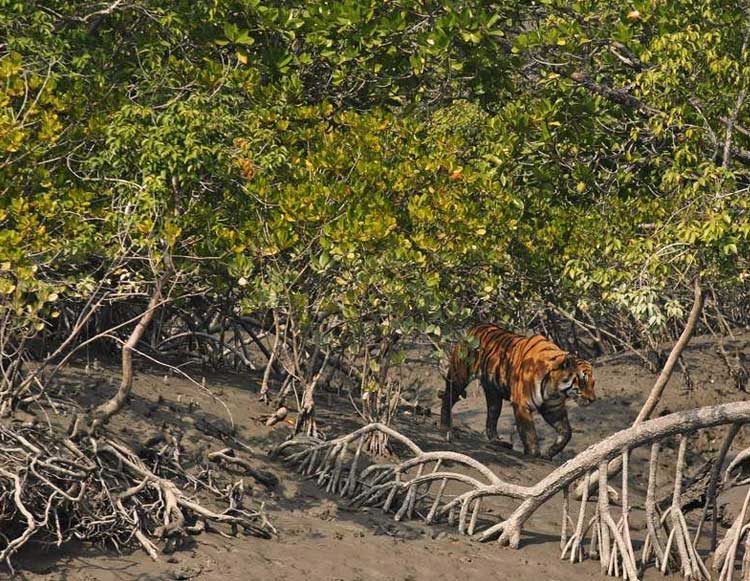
{"x": 401, "y": 166}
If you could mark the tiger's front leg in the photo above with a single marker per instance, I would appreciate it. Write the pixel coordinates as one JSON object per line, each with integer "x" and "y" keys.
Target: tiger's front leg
{"x": 494, "y": 409}
{"x": 555, "y": 414}
{"x": 526, "y": 429}
{"x": 453, "y": 392}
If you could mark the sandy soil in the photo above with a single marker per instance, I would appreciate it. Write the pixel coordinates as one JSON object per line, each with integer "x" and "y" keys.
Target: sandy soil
{"x": 319, "y": 538}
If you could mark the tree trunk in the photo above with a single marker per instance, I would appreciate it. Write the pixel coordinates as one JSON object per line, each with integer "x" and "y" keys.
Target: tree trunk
{"x": 306, "y": 417}
{"x": 661, "y": 383}
{"x": 112, "y": 406}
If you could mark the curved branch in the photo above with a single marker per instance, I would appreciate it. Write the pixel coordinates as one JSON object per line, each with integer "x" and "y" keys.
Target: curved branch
{"x": 661, "y": 383}
{"x": 666, "y": 373}
{"x": 644, "y": 433}
{"x": 109, "y": 408}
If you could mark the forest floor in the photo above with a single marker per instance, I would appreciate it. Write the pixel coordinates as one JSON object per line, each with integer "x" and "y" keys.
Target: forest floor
{"x": 318, "y": 536}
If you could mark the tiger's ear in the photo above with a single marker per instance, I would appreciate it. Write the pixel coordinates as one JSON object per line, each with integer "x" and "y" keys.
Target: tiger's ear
{"x": 568, "y": 362}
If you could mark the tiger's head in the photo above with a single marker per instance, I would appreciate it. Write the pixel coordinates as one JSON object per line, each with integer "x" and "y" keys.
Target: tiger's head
{"x": 562, "y": 375}
{"x": 583, "y": 389}
{"x": 572, "y": 377}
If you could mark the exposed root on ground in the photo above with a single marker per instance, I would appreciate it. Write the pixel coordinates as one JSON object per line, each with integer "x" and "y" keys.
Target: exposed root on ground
{"x": 98, "y": 489}
{"x": 415, "y": 485}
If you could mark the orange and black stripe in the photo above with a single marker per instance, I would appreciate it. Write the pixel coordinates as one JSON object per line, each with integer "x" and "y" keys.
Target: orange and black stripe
{"x": 532, "y": 373}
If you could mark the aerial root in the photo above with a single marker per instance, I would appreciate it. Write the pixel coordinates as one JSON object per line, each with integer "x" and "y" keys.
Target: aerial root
{"x": 507, "y": 533}
{"x": 574, "y": 545}
{"x": 99, "y": 490}
{"x": 713, "y": 488}
{"x": 736, "y": 465}
{"x": 691, "y": 564}
{"x": 414, "y": 486}
{"x": 445, "y": 486}
{"x": 726, "y": 553}
{"x": 614, "y": 551}
{"x": 655, "y": 541}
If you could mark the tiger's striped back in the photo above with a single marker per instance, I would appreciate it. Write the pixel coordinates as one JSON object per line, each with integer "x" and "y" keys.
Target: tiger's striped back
{"x": 533, "y": 373}
{"x": 499, "y": 357}
{"x": 486, "y": 352}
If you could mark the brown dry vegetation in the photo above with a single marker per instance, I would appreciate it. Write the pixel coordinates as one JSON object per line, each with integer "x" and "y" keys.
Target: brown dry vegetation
{"x": 318, "y": 536}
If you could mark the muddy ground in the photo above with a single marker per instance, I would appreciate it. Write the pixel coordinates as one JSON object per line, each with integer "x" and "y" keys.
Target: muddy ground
{"x": 318, "y": 537}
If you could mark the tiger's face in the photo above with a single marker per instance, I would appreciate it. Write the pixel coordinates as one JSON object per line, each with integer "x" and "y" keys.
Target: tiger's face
{"x": 583, "y": 391}
{"x": 574, "y": 379}
{"x": 562, "y": 376}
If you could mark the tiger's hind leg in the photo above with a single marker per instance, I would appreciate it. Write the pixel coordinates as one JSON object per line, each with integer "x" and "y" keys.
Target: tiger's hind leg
{"x": 526, "y": 429}
{"x": 556, "y": 415}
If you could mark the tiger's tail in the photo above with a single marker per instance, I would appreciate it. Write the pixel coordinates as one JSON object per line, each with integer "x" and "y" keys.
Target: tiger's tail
{"x": 458, "y": 377}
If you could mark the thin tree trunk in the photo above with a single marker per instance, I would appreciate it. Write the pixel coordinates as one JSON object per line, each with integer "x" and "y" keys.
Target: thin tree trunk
{"x": 306, "y": 417}
{"x": 666, "y": 373}
{"x": 112, "y": 406}
{"x": 661, "y": 383}
{"x": 271, "y": 359}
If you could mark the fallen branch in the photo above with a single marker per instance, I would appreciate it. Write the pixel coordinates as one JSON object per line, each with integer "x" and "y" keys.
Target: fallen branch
{"x": 229, "y": 456}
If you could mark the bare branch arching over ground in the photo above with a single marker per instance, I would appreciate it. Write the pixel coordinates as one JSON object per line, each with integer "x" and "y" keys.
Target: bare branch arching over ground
{"x": 417, "y": 486}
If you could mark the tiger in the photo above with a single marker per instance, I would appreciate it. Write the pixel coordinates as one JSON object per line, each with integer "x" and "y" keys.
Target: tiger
{"x": 532, "y": 373}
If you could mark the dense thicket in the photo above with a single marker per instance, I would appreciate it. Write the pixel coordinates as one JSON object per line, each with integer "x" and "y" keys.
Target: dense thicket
{"x": 326, "y": 178}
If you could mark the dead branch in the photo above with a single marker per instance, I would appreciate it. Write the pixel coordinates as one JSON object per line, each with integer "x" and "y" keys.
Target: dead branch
{"x": 100, "y": 490}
